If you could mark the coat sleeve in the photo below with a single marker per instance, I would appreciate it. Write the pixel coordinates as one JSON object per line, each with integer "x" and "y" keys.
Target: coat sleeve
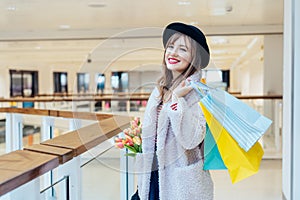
{"x": 188, "y": 123}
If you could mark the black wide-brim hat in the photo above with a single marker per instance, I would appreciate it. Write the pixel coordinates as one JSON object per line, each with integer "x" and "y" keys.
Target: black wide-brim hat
{"x": 193, "y": 32}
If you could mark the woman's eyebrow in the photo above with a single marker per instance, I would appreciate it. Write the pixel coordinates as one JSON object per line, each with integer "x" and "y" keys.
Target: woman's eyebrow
{"x": 183, "y": 45}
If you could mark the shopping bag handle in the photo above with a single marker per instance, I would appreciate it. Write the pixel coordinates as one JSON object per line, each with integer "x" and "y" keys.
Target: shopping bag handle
{"x": 200, "y": 88}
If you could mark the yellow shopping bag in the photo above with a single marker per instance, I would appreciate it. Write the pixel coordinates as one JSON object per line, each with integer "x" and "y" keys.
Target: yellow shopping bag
{"x": 240, "y": 164}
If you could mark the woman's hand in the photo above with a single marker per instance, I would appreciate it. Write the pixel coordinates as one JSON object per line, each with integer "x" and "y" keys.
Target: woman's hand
{"x": 181, "y": 90}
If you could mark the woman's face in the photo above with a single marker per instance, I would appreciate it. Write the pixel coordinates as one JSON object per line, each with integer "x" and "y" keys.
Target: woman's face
{"x": 178, "y": 55}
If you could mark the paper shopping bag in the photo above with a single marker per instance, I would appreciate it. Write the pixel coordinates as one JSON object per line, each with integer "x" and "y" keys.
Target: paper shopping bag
{"x": 241, "y": 121}
{"x": 212, "y": 157}
{"x": 240, "y": 164}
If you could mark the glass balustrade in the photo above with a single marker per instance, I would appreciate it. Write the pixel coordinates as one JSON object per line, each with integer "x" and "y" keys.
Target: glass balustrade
{"x": 104, "y": 163}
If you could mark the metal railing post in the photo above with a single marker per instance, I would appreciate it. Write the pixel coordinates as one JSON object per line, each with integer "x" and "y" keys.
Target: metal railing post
{"x": 75, "y": 124}
{"x": 13, "y": 132}
{"x": 73, "y": 171}
{"x": 127, "y": 176}
{"x": 46, "y": 134}
{"x": 278, "y": 124}
{"x": 47, "y": 128}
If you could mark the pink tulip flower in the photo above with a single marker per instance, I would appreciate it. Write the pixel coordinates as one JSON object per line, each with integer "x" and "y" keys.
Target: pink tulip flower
{"x": 117, "y": 139}
{"x": 119, "y": 145}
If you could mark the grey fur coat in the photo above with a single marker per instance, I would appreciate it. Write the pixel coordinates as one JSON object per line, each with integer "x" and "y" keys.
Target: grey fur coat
{"x": 180, "y": 161}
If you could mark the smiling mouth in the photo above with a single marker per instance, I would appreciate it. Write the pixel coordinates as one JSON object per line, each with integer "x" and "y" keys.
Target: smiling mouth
{"x": 173, "y": 61}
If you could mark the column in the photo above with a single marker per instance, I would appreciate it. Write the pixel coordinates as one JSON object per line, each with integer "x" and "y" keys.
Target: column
{"x": 291, "y": 99}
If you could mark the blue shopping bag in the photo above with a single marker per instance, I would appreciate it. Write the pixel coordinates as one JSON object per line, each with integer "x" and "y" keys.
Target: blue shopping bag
{"x": 241, "y": 121}
{"x": 212, "y": 157}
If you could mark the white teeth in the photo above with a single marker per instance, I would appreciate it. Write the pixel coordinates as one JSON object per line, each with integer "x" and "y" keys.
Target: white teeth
{"x": 173, "y": 59}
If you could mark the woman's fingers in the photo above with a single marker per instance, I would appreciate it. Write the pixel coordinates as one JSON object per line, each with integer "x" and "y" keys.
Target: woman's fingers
{"x": 182, "y": 83}
{"x": 182, "y": 91}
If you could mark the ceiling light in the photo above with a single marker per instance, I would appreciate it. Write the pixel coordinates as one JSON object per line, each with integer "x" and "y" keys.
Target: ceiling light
{"x": 218, "y": 51}
{"x": 218, "y": 11}
{"x": 194, "y": 23}
{"x": 184, "y": 3}
{"x": 11, "y": 8}
{"x": 219, "y": 40}
{"x": 252, "y": 43}
{"x": 64, "y": 26}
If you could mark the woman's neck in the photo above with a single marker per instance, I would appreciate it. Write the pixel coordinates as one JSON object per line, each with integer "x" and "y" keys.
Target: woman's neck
{"x": 175, "y": 74}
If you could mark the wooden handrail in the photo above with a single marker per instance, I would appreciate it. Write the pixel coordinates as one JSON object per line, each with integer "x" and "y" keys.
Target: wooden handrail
{"x": 92, "y": 94}
{"x": 116, "y": 98}
{"x": 57, "y": 113}
{"x": 63, "y": 154}
{"x": 58, "y": 99}
{"x": 86, "y": 138}
{"x": 22, "y": 166}
{"x": 274, "y": 96}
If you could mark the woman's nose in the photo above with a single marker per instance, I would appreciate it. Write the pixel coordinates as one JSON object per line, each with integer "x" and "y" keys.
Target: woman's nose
{"x": 173, "y": 52}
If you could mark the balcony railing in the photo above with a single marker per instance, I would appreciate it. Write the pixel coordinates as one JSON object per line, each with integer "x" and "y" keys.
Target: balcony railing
{"x": 52, "y": 169}
{"x": 62, "y": 155}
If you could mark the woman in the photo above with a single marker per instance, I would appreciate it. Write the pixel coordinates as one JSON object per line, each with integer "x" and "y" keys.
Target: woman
{"x": 171, "y": 164}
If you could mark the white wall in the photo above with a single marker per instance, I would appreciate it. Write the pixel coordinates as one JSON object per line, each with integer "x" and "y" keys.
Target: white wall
{"x": 248, "y": 71}
{"x": 273, "y": 64}
{"x": 248, "y": 77}
{"x": 273, "y": 80}
{"x": 252, "y": 77}
{"x": 145, "y": 80}
{"x": 262, "y": 72}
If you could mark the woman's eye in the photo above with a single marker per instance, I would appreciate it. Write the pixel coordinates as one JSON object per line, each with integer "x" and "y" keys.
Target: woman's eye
{"x": 170, "y": 47}
{"x": 183, "y": 49}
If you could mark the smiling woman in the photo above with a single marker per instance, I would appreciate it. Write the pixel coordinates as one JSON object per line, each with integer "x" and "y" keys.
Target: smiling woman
{"x": 174, "y": 126}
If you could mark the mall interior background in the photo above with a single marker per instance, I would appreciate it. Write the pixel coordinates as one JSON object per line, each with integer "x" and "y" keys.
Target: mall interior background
{"x": 86, "y": 45}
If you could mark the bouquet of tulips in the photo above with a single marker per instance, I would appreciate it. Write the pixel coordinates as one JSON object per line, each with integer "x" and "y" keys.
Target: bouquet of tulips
{"x": 132, "y": 140}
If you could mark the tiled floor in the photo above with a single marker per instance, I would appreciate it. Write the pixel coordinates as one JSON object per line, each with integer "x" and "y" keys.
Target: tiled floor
{"x": 265, "y": 185}
{"x": 101, "y": 180}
